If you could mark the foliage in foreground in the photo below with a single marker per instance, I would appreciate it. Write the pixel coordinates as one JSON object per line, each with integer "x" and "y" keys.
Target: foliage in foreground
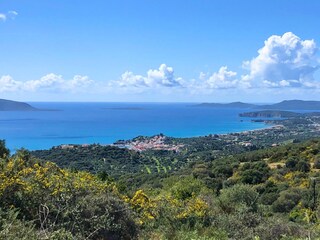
{"x": 266, "y": 194}
{"x": 50, "y": 202}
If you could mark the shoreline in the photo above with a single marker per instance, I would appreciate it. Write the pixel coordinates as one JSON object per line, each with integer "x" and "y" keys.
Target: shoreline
{"x": 264, "y": 127}
{"x": 155, "y": 142}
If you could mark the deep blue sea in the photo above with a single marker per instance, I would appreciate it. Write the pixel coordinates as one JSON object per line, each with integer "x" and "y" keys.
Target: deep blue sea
{"x": 105, "y": 123}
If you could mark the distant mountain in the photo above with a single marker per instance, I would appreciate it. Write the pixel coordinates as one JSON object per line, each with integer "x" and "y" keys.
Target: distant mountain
{"x": 284, "y": 105}
{"x": 293, "y": 105}
{"x": 227, "y": 105}
{"x": 8, "y": 105}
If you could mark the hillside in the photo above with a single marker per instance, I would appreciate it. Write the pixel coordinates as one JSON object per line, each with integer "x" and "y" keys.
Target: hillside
{"x": 266, "y": 194}
{"x": 8, "y": 105}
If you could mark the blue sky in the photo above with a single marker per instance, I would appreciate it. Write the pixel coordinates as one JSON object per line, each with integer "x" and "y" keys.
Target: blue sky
{"x": 192, "y": 51}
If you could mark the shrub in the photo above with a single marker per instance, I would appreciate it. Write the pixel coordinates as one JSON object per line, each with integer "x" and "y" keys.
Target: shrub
{"x": 186, "y": 188}
{"x": 11, "y": 228}
{"x": 232, "y": 198}
{"x": 286, "y": 201}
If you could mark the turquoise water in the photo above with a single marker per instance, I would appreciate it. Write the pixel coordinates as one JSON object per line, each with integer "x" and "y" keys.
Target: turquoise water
{"x": 105, "y": 123}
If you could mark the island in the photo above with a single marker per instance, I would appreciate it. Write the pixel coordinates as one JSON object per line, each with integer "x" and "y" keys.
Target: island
{"x": 9, "y": 105}
{"x": 227, "y": 105}
{"x": 284, "y": 105}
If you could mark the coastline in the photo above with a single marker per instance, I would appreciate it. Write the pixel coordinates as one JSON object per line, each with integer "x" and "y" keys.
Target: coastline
{"x": 79, "y": 124}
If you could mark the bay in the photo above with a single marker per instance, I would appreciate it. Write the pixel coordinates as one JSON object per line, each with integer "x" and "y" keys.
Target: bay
{"x": 105, "y": 123}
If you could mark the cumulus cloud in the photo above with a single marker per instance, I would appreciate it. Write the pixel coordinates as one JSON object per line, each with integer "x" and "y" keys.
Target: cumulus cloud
{"x": 162, "y": 77}
{"x": 223, "y": 79}
{"x": 130, "y": 79}
{"x": 9, "y": 14}
{"x": 48, "y": 83}
{"x": 283, "y": 61}
{"x": 80, "y": 81}
{"x": 8, "y": 84}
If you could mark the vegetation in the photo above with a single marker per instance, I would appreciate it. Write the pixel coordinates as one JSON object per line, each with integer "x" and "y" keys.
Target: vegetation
{"x": 269, "y": 193}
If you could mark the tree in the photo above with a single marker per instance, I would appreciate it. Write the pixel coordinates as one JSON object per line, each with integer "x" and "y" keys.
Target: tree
{"x": 4, "y": 152}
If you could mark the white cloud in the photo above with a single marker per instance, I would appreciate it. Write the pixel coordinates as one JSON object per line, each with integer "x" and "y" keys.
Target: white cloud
{"x": 10, "y": 14}
{"x": 224, "y": 79}
{"x": 162, "y": 77}
{"x": 80, "y": 81}
{"x": 3, "y": 17}
{"x": 283, "y": 61}
{"x": 48, "y": 83}
{"x": 285, "y": 64}
{"x": 130, "y": 79}
{"x": 8, "y": 84}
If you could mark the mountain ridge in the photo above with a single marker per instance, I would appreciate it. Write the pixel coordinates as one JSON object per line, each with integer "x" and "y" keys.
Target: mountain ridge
{"x": 283, "y": 105}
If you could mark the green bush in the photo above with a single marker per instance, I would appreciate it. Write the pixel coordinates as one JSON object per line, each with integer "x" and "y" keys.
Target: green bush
{"x": 236, "y": 196}
{"x": 287, "y": 200}
{"x": 254, "y": 173}
{"x": 101, "y": 217}
{"x": 11, "y": 228}
{"x": 186, "y": 188}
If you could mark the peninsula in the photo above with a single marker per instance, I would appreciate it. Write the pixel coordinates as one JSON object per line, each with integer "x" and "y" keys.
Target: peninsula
{"x": 9, "y": 105}
{"x": 277, "y": 114}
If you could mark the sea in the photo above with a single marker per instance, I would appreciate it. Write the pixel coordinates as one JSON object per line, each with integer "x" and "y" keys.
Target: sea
{"x": 105, "y": 123}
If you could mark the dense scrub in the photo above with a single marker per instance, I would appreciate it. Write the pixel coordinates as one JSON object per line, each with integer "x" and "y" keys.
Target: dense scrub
{"x": 270, "y": 193}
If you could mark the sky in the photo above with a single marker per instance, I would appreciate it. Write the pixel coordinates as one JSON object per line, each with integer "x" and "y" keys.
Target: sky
{"x": 160, "y": 51}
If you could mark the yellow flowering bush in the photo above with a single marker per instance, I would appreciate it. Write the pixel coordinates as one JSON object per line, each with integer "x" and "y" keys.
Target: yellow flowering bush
{"x": 57, "y": 199}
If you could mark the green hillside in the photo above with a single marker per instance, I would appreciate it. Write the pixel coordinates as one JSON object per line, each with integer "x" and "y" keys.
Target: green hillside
{"x": 270, "y": 193}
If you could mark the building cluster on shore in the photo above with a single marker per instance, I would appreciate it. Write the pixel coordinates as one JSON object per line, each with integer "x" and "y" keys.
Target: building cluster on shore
{"x": 280, "y": 131}
{"x": 157, "y": 142}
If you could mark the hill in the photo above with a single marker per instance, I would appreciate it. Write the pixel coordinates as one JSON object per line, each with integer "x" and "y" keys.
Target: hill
{"x": 8, "y": 105}
{"x": 284, "y": 105}
{"x": 227, "y": 105}
{"x": 294, "y": 105}
{"x": 270, "y": 114}
{"x": 278, "y": 114}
